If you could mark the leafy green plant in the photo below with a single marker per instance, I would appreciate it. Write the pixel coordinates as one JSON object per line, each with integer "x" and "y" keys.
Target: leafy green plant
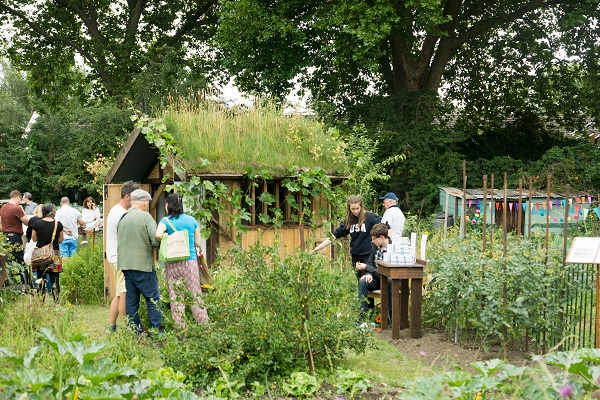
{"x": 347, "y": 381}
{"x": 468, "y": 289}
{"x": 301, "y": 384}
{"x": 82, "y": 279}
{"x": 82, "y": 370}
{"x": 271, "y": 316}
{"x": 224, "y": 387}
{"x": 574, "y": 375}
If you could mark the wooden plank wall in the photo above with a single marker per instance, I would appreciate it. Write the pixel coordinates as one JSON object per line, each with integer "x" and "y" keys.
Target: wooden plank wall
{"x": 289, "y": 234}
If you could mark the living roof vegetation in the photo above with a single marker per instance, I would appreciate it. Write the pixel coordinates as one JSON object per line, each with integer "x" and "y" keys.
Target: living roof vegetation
{"x": 261, "y": 137}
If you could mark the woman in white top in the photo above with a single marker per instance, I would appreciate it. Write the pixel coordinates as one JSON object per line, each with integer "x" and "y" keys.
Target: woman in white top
{"x": 90, "y": 214}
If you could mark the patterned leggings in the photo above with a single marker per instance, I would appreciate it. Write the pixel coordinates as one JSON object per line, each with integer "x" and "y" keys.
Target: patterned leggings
{"x": 183, "y": 276}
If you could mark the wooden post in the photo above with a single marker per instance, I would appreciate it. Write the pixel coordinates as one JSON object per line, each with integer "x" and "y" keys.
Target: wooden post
{"x": 566, "y": 225}
{"x": 446, "y": 217}
{"x": 504, "y": 251}
{"x": 464, "y": 201}
{"x": 519, "y": 211}
{"x": 492, "y": 214}
{"x": 253, "y": 208}
{"x": 484, "y": 214}
{"x": 547, "y": 216}
{"x": 529, "y": 206}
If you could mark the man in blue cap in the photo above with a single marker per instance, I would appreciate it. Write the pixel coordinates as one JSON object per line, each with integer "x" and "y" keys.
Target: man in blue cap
{"x": 393, "y": 216}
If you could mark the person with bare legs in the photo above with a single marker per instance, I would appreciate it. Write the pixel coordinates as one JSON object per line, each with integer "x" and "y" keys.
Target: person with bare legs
{"x": 117, "y": 305}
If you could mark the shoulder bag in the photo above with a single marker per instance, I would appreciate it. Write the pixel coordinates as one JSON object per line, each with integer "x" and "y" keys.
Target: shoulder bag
{"x": 42, "y": 256}
{"x": 174, "y": 247}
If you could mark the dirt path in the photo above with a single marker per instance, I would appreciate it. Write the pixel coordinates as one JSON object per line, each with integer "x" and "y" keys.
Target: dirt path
{"x": 436, "y": 349}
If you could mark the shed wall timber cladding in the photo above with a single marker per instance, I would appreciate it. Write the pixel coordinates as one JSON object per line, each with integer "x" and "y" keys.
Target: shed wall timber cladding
{"x": 289, "y": 235}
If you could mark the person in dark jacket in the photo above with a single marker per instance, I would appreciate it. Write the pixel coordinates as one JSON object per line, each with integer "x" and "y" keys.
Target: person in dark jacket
{"x": 358, "y": 224}
{"x": 45, "y": 231}
{"x": 369, "y": 278}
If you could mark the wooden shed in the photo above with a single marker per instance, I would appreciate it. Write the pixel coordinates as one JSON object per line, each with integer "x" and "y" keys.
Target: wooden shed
{"x": 535, "y": 209}
{"x": 139, "y": 161}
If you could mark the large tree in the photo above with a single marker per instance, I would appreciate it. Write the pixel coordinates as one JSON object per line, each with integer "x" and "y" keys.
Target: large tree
{"x": 128, "y": 46}
{"x": 346, "y": 48}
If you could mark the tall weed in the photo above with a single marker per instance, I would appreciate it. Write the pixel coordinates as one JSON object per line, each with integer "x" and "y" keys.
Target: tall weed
{"x": 82, "y": 279}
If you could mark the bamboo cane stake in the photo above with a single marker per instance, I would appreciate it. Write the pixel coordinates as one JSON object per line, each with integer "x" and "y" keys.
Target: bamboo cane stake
{"x": 519, "y": 210}
{"x": 504, "y": 254}
{"x": 529, "y": 207}
{"x": 464, "y": 201}
{"x": 484, "y": 215}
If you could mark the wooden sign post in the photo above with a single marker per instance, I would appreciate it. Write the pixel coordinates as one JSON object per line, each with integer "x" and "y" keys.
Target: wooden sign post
{"x": 586, "y": 250}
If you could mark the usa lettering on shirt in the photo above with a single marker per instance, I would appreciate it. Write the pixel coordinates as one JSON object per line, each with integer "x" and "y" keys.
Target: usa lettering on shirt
{"x": 358, "y": 228}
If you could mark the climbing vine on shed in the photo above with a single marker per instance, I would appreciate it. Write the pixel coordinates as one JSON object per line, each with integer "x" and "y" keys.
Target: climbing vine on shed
{"x": 205, "y": 197}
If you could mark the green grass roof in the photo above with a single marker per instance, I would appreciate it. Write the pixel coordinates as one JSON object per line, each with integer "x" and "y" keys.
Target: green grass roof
{"x": 262, "y": 138}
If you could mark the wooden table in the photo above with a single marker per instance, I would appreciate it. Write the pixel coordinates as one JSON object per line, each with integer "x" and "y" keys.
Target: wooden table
{"x": 400, "y": 275}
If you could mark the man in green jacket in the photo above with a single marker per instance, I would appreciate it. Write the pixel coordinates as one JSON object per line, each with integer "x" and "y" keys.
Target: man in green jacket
{"x": 136, "y": 239}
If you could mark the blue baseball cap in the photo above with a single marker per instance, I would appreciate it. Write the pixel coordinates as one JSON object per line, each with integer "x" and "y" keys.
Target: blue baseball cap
{"x": 389, "y": 195}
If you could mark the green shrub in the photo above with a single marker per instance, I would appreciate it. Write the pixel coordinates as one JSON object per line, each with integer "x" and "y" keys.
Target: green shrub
{"x": 467, "y": 289}
{"x": 258, "y": 319}
{"x": 82, "y": 279}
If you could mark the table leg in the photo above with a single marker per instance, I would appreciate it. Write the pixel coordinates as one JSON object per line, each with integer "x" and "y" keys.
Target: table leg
{"x": 404, "y": 293}
{"x": 415, "y": 305}
{"x": 383, "y": 289}
{"x": 395, "y": 308}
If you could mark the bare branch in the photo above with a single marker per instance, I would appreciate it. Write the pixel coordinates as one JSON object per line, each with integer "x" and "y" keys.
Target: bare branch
{"x": 486, "y": 25}
{"x": 135, "y": 14}
{"x": 190, "y": 23}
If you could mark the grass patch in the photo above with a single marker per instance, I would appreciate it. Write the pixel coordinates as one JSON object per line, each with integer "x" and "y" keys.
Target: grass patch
{"x": 260, "y": 137}
{"x": 383, "y": 363}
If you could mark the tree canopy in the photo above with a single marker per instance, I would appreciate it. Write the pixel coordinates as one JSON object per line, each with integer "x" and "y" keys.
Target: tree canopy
{"x": 350, "y": 48}
{"x": 133, "y": 49}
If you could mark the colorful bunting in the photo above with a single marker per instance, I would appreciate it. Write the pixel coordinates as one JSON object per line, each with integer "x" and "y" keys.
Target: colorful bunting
{"x": 510, "y": 206}
{"x": 470, "y": 202}
{"x": 597, "y": 211}
{"x": 590, "y": 199}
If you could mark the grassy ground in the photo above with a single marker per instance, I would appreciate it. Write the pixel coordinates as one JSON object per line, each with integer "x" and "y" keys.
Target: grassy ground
{"x": 27, "y": 315}
{"x": 396, "y": 369}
